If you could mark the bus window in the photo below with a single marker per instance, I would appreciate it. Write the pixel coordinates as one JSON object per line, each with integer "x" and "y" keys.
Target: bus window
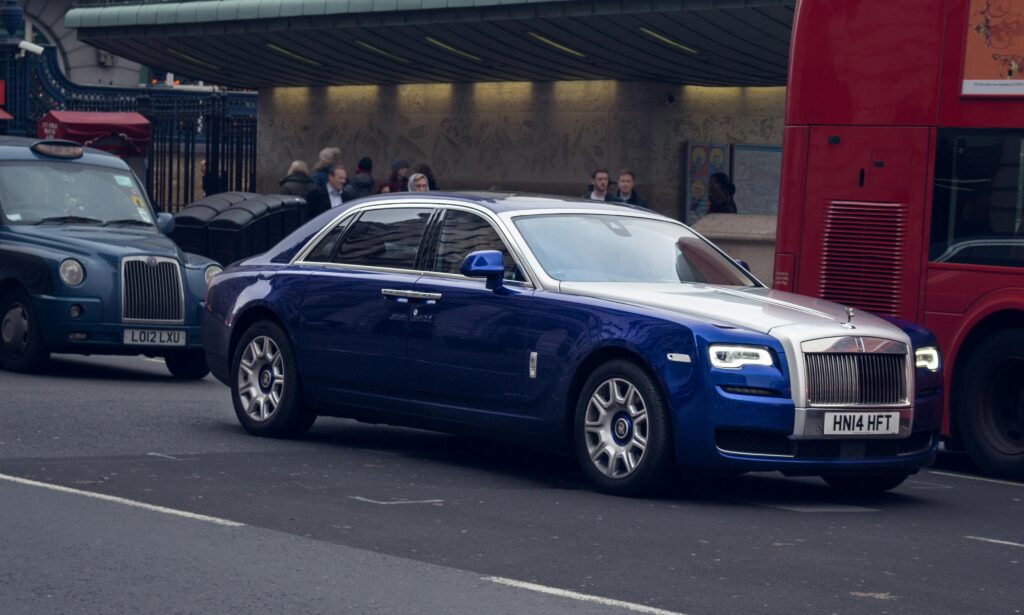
{"x": 977, "y": 199}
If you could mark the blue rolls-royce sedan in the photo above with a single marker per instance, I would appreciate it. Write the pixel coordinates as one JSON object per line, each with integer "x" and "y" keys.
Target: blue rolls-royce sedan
{"x": 86, "y": 266}
{"x": 608, "y": 331}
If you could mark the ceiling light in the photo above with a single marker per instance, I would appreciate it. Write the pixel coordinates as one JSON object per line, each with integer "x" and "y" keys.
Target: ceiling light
{"x": 292, "y": 56}
{"x": 462, "y": 54}
{"x": 556, "y": 45}
{"x": 661, "y": 38}
{"x": 381, "y": 52}
{"x": 197, "y": 61}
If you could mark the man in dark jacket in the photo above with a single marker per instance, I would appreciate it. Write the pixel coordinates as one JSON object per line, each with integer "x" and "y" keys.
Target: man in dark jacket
{"x": 361, "y": 184}
{"x": 627, "y": 193}
{"x": 599, "y": 188}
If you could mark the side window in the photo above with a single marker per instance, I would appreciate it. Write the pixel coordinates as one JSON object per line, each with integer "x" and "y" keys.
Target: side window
{"x": 323, "y": 250}
{"x": 977, "y": 200}
{"x": 384, "y": 238}
{"x": 463, "y": 233}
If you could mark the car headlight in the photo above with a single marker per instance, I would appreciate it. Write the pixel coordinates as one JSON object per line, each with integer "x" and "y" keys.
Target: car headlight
{"x": 211, "y": 271}
{"x": 735, "y": 357}
{"x": 72, "y": 272}
{"x": 928, "y": 358}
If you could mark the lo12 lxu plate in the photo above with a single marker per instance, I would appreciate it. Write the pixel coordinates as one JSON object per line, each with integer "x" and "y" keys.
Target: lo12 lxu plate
{"x": 861, "y": 423}
{"x": 154, "y": 337}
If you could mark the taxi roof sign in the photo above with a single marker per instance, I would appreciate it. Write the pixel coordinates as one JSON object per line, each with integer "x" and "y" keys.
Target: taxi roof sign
{"x": 56, "y": 148}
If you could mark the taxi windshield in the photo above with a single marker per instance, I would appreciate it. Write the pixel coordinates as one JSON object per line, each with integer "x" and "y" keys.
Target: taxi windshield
{"x": 610, "y": 248}
{"x": 60, "y": 193}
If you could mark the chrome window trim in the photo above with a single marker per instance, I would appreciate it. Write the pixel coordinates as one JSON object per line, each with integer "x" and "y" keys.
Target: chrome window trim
{"x": 181, "y": 289}
{"x": 495, "y": 221}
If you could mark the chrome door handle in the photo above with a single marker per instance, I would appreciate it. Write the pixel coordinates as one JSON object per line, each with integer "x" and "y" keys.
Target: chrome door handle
{"x": 404, "y": 296}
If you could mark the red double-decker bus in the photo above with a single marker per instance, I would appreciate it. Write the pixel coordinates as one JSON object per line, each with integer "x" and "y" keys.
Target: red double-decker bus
{"x": 903, "y": 189}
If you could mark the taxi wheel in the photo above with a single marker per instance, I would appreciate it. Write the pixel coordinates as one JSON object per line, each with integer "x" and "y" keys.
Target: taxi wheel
{"x": 265, "y": 388}
{"x": 865, "y": 484}
{"x": 187, "y": 364}
{"x": 622, "y": 432}
{"x": 21, "y": 341}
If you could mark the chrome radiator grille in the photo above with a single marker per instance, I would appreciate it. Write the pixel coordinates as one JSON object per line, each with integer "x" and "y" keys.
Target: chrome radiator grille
{"x": 151, "y": 290}
{"x": 856, "y": 379}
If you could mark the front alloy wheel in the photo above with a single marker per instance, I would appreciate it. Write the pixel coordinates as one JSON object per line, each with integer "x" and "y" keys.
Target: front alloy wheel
{"x": 622, "y": 430}
{"x": 21, "y": 343}
{"x": 267, "y": 394}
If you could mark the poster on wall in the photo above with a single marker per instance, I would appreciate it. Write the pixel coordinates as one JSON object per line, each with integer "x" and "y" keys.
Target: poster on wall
{"x": 703, "y": 161}
{"x": 994, "y": 53}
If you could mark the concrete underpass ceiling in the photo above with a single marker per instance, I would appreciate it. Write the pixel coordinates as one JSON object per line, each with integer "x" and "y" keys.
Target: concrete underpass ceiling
{"x": 709, "y": 42}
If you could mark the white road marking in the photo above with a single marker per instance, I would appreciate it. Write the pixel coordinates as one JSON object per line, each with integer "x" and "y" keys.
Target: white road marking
{"x": 360, "y": 498}
{"x": 564, "y": 593}
{"x": 882, "y": 596}
{"x": 162, "y": 455}
{"x": 124, "y": 501}
{"x": 979, "y": 478}
{"x": 995, "y": 542}
{"x": 822, "y": 509}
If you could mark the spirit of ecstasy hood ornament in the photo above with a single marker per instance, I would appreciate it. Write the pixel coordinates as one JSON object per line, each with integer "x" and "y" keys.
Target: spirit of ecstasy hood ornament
{"x": 849, "y": 317}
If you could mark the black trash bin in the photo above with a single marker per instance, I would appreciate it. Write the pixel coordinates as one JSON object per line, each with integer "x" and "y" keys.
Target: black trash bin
{"x": 232, "y": 235}
{"x": 275, "y": 218}
{"x": 191, "y": 231}
{"x": 260, "y": 225}
{"x": 293, "y": 212}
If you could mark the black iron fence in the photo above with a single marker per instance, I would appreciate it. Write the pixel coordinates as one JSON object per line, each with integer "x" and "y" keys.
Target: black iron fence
{"x": 190, "y": 125}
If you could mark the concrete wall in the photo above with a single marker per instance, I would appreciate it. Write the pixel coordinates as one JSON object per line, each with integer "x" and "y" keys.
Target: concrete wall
{"x": 543, "y": 137}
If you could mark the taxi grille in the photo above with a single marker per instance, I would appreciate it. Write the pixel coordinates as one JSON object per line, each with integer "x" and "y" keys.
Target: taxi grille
{"x": 151, "y": 290}
{"x": 856, "y": 379}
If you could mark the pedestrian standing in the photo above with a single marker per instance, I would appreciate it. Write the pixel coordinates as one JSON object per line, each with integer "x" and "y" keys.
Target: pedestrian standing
{"x": 361, "y": 184}
{"x": 329, "y": 156}
{"x": 297, "y": 182}
{"x": 720, "y": 194}
{"x": 599, "y": 188}
{"x": 425, "y": 170}
{"x": 627, "y": 190}
{"x": 399, "y": 180}
{"x": 418, "y": 183}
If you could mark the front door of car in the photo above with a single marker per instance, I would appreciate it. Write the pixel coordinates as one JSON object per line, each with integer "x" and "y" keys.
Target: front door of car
{"x": 355, "y": 314}
{"x": 468, "y": 349}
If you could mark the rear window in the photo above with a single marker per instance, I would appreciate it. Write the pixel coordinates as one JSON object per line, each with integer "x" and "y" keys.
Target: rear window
{"x": 62, "y": 193}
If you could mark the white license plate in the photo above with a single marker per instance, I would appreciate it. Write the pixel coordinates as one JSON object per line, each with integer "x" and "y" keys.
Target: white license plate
{"x": 872, "y": 423}
{"x": 154, "y": 337}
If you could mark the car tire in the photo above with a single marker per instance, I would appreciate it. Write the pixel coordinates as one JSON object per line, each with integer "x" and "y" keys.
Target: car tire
{"x": 989, "y": 410}
{"x": 21, "y": 338}
{"x": 865, "y": 484}
{"x": 622, "y": 433}
{"x": 187, "y": 364}
{"x": 265, "y": 385}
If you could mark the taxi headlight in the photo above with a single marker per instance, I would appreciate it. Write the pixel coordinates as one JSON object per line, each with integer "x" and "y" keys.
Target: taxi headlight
{"x": 735, "y": 357}
{"x": 211, "y": 271}
{"x": 72, "y": 272}
{"x": 928, "y": 358}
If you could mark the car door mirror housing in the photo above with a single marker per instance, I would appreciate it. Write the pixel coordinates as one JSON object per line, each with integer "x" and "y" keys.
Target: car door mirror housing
{"x": 485, "y": 264}
{"x": 165, "y": 222}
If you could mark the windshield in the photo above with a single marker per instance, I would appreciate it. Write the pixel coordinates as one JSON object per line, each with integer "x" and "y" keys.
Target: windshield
{"x": 608, "y": 248}
{"x": 61, "y": 193}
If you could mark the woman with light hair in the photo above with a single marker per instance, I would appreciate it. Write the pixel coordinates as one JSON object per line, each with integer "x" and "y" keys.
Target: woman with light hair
{"x": 418, "y": 183}
{"x": 298, "y": 182}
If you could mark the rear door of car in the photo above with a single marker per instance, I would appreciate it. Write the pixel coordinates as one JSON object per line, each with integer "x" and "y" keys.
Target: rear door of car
{"x": 468, "y": 347}
{"x": 355, "y": 311}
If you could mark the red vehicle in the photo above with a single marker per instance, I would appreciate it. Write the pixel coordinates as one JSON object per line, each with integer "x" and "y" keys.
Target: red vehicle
{"x": 903, "y": 189}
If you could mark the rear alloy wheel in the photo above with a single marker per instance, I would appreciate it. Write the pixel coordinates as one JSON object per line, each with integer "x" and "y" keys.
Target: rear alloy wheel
{"x": 989, "y": 409}
{"x": 187, "y": 364}
{"x": 622, "y": 431}
{"x": 865, "y": 484}
{"x": 21, "y": 341}
{"x": 267, "y": 395}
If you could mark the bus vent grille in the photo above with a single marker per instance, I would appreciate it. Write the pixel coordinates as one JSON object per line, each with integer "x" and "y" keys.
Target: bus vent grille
{"x": 864, "y": 247}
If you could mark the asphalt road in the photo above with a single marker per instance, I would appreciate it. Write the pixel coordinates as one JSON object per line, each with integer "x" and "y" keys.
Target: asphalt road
{"x": 122, "y": 490}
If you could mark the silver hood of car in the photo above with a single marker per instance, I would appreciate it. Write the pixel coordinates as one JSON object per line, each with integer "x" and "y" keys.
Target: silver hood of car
{"x": 757, "y": 309}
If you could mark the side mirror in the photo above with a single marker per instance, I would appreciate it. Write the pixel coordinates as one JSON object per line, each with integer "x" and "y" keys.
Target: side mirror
{"x": 744, "y": 264}
{"x": 165, "y": 222}
{"x": 485, "y": 264}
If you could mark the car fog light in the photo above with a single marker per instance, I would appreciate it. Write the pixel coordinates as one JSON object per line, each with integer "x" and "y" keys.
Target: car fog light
{"x": 75, "y": 311}
{"x": 72, "y": 272}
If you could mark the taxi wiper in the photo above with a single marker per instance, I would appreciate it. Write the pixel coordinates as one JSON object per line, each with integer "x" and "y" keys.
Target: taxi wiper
{"x": 70, "y": 219}
{"x": 134, "y": 221}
